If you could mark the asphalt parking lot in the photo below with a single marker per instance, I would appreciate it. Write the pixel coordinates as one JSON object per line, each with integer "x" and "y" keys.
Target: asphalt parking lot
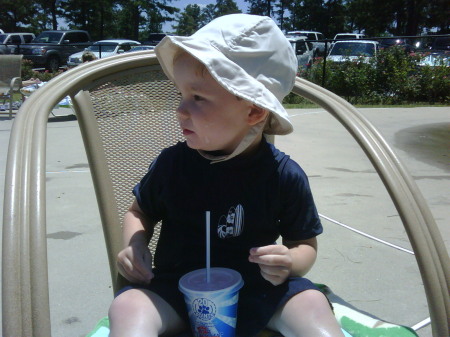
{"x": 371, "y": 276}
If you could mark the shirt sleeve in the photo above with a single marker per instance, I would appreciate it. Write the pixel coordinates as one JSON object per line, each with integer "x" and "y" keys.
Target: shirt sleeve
{"x": 299, "y": 219}
{"x": 148, "y": 192}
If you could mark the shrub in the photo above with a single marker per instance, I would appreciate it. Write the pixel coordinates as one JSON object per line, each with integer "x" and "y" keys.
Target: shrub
{"x": 392, "y": 77}
{"x": 28, "y": 72}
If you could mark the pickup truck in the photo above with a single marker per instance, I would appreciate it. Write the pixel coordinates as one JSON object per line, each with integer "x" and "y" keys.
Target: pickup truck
{"x": 8, "y": 41}
{"x": 51, "y": 48}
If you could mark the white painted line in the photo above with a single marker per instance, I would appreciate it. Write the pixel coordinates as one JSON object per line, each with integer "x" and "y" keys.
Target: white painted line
{"x": 306, "y": 113}
{"x": 367, "y": 235}
{"x": 422, "y": 324}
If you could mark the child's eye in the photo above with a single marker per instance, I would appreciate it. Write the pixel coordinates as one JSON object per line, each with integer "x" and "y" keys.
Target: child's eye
{"x": 198, "y": 98}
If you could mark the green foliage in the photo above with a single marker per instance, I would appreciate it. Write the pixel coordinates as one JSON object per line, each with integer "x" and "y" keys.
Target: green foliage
{"x": 28, "y": 72}
{"x": 189, "y": 21}
{"x": 136, "y": 18}
{"x": 193, "y": 17}
{"x": 393, "y": 77}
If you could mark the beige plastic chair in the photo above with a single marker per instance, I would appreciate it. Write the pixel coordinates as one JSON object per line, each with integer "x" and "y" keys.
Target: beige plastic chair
{"x": 125, "y": 107}
{"x": 10, "y": 78}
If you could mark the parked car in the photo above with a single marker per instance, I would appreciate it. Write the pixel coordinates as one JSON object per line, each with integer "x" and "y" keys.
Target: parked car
{"x": 342, "y": 51}
{"x": 404, "y": 43}
{"x": 318, "y": 46}
{"x": 303, "y": 50}
{"x": 349, "y": 36}
{"x": 140, "y": 48}
{"x": 435, "y": 59}
{"x": 9, "y": 41}
{"x": 154, "y": 38}
{"x": 441, "y": 43}
{"x": 102, "y": 49}
{"x": 51, "y": 48}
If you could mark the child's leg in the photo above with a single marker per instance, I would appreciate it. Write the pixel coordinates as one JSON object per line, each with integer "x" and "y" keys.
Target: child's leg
{"x": 307, "y": 314}
{"x": 139, "y": 312}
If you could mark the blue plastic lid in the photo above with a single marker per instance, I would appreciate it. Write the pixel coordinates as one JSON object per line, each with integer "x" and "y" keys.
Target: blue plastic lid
{"x": 220, "y": 279}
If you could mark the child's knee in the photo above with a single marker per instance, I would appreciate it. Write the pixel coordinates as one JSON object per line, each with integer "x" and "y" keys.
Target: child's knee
{"x": 311, "y": 300}
{"x": 129, "y": 302}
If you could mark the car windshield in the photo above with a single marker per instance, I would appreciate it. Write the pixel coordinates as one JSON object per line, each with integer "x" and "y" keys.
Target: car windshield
{"x": 2, "y": 38}
{"x": 353, "y": 49}
{"x": 105, "y": 47}
{"x": 48, "y": 37}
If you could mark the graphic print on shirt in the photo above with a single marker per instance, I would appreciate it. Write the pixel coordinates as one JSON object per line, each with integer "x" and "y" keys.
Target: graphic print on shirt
{"x": 232, "y": 224}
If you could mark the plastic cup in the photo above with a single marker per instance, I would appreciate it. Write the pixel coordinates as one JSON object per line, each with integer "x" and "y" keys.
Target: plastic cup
{"x": 212, "y": 306}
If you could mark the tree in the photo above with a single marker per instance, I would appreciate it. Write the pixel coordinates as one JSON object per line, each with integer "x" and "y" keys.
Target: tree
{"x": 335, "y": 18}
{"x": 208, "y": 13}
{"x": 436, "y": 15}
{"x": 95, "y": 17}
{"x": 260, "y": 7}
{"x": 16, "y": 14}
{"x": 372, "y": 16}
{"x": 194, "y": 17}
{"x": 132, "y": 19}
{"x": 308, "y": 15}
{"x": 189, "y": 21}
{"x": 224, "y": 7}
{"x": 280, "y": 12}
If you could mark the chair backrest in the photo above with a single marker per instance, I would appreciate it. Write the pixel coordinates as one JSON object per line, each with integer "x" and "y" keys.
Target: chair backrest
{"x": 10, "y": 67}
{"x": 126, "y": 119}
{"x": 124, "y": 105}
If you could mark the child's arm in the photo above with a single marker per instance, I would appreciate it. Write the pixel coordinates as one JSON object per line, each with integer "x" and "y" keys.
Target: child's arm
{"x": 278, "y": 262}
{"x": 135, "y": 260}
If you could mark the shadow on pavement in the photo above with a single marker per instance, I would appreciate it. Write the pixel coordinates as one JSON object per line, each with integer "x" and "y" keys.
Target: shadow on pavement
{"x": 428, "y": 143}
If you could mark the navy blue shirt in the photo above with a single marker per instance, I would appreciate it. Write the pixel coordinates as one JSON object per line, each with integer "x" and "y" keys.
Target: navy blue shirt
{"x": 253, "y": 200}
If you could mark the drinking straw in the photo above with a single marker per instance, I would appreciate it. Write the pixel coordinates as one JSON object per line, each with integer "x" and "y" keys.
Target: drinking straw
{"x": 208, "y": 248}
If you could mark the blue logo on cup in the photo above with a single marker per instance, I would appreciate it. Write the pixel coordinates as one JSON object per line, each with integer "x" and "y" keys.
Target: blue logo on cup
{"x": 204, "y": 309}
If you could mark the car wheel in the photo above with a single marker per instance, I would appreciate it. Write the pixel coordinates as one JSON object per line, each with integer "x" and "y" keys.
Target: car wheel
{"x": 52, "y": 64}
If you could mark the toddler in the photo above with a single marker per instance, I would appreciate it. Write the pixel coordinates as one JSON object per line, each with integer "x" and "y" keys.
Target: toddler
{"x": 232, "y": 75}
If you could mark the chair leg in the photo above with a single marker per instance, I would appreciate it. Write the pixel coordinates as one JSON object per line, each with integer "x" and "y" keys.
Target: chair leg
{"x": 10, "y": 106}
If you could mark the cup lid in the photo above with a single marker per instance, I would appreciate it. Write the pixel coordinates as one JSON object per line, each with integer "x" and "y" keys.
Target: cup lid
{"x": 220, "y": 279}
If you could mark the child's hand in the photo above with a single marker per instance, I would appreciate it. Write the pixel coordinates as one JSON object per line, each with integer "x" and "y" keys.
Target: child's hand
{"x": 275, "y": 262}
{"x": 135, "y": 263}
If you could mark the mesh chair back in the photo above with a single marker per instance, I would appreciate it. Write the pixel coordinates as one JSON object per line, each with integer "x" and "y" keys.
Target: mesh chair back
{"x": 135, "y": 116}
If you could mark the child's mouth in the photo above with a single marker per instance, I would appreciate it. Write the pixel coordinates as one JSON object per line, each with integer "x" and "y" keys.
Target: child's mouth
{"x": 187, "y": 132}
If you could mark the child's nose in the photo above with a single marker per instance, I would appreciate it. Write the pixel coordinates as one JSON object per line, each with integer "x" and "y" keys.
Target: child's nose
{"x": 182, "y": 111}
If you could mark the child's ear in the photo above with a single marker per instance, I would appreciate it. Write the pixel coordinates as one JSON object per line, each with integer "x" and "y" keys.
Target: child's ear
{"x": 256, "y": 115}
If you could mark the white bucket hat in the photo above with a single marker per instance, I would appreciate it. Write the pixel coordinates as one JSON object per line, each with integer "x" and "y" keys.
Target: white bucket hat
{"x": 248, "y": 55}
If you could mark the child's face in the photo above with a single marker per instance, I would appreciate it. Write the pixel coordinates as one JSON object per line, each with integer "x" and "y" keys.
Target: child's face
{"x": 211, "y": 118}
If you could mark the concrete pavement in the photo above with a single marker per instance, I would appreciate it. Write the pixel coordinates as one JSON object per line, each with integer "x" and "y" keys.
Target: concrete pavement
{"x": 367, "y": 274}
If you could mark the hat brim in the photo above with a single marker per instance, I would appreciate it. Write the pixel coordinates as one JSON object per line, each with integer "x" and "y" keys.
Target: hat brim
{"x": 229, "y": 75}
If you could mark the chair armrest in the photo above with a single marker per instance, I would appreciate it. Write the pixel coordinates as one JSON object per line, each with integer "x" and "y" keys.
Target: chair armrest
{"x": 16, "y": 84}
